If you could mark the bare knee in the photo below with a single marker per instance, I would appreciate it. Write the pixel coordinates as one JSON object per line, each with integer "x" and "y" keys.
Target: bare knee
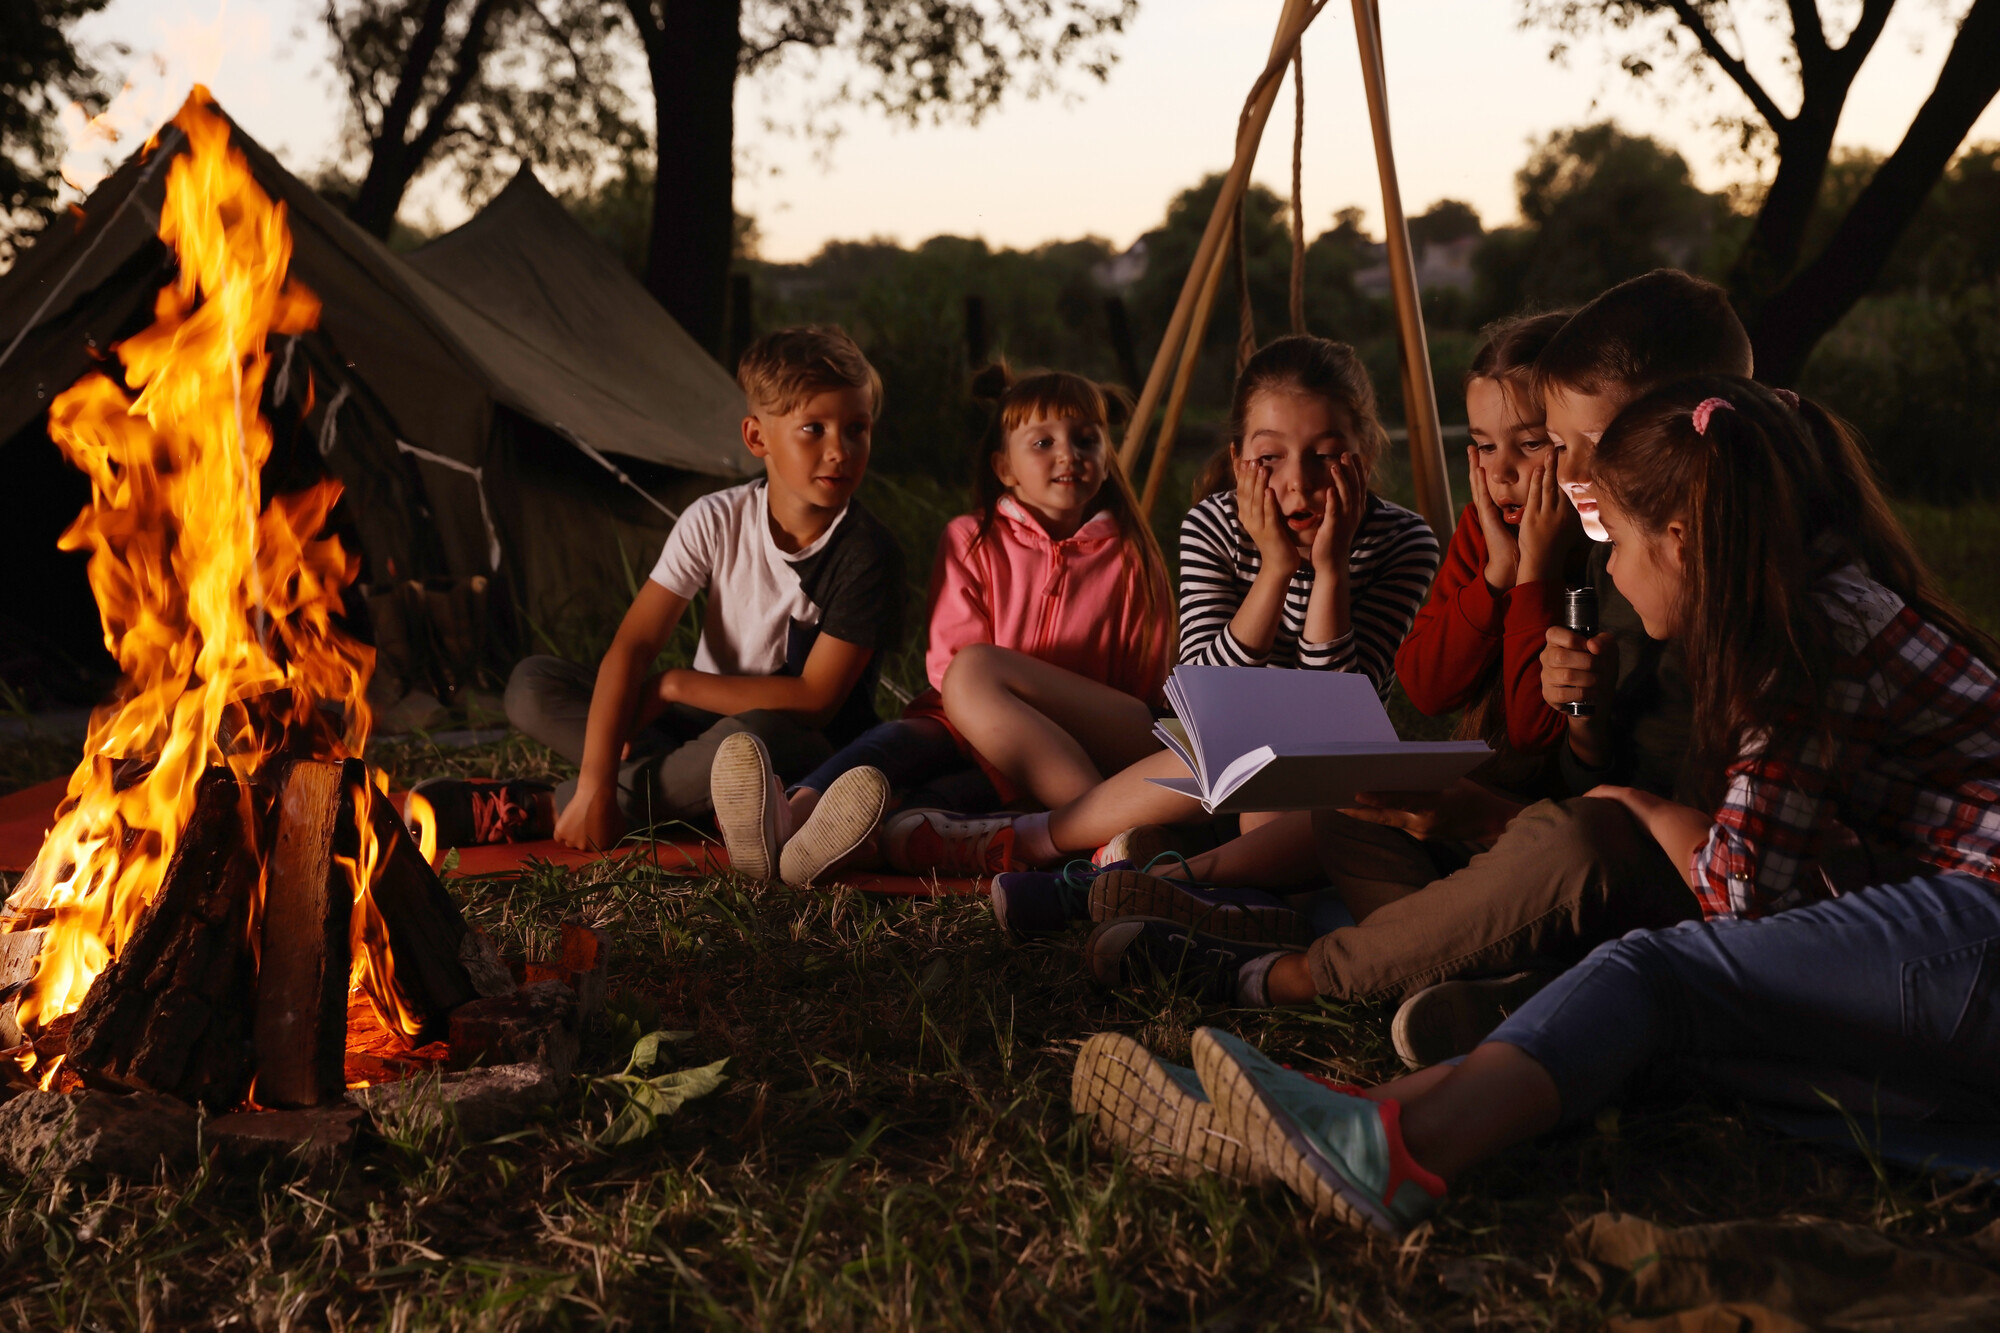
{"x": 974, "y": 668}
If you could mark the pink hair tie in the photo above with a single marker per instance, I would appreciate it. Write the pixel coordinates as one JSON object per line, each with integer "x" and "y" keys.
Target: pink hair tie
{"x": 1788, "y": 398}
{"x": 1706, "y": 409}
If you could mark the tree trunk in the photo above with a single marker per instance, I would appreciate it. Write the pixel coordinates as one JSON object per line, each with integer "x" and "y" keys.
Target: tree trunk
{"x": 1771, "y": 251}
{"x": 1785, "y": 329}
{"x": 691, "y": 52}
{"x": 394, "y": 159}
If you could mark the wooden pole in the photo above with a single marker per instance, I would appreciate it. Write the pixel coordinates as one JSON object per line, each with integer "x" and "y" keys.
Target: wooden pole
{"x": 1420, "y": 409}
{"x": 1292, "y": 21}
{"x": 1170, "y": 424}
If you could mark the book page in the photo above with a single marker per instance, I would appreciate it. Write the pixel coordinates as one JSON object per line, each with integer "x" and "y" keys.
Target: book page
{"x": 1230, "y": 711}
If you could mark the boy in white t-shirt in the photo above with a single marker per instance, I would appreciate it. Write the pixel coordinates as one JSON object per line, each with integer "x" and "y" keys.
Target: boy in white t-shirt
{"x": 805, "y": 591}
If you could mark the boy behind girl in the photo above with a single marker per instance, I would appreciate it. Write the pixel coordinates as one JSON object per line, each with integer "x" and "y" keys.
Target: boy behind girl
{"x": 1558, "y": 877}
{"x": 805, "y": 589}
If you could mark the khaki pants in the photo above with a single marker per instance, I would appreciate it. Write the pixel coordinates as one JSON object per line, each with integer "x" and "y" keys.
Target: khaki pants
{"x": 1562, "y": 878}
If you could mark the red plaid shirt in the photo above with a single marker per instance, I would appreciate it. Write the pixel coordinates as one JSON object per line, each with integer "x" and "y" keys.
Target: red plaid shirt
{"x": 1913, "y": 765}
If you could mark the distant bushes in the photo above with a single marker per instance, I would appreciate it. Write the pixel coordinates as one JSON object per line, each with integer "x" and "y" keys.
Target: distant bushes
{"x": 1919, "y": 374}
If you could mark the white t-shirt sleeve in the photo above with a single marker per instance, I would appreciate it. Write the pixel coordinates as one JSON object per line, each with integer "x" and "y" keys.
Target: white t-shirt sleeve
{"x": 687, "y": 562}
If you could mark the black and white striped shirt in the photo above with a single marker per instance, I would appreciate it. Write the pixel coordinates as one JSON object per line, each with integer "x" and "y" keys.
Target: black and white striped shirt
{"x": 1395, "y": 554}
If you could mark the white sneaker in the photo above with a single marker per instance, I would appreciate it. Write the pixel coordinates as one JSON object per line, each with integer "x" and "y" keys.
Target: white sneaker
{"x": 750, "y": 806}
{"x": 846, "y": 815}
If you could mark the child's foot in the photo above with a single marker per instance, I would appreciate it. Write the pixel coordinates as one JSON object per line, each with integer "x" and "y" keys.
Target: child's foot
{"x": 919, "y": 842}
{"x": 471, "y": 812}
{"x": 1449, "y": 1019}
{"x": 750, "y": 806}
{"x": 1043, "y": 902}
{"x": 846, "y": 815}
{"x": 1156, "y": 1111}
{"x": 1235, "y": 914}
{"x": 1343, "y": 1155}
{"x": 1139, "y": 950}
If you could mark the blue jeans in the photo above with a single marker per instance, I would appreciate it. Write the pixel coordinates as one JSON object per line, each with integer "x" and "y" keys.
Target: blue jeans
{"x": 1896, "y": 986}
{"x": 913, "y": 753}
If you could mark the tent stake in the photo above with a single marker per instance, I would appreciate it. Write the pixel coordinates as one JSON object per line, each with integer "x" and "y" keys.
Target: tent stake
{"x": 1420, "y": 409}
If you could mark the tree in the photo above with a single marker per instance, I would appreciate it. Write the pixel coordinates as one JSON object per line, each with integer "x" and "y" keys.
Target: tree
{"x": 40, "y": 69}
{"x": 918, "y": 60}
{"x": 1790, "y": 298}
{"x": 478, "y": 84}
{"x": 1599, "y": 206}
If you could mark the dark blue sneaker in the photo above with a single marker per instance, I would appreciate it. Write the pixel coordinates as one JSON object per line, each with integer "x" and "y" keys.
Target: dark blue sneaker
{"x": 1045, "y": 902}
{"x": 1233, "y": 914}
{"x": 1139, "y": 950}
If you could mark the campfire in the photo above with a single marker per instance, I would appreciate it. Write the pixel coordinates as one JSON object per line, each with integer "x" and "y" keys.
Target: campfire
{"x": 228, "y": 908}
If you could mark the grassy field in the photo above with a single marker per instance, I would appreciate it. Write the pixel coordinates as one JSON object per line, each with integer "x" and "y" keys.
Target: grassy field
{"x": 891, "y": 1147}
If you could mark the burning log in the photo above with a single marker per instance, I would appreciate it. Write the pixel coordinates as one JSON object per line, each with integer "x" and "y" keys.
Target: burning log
{"x": 300, "y": 1028}
{"x": 168, "y": 1014}
{"x": 424, "y": 932}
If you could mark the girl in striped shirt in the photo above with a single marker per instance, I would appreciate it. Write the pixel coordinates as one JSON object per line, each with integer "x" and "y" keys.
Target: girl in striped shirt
{"x": 1288, "y": 560}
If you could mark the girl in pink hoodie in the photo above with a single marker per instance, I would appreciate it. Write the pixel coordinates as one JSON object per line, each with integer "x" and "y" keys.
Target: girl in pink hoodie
{"x": 1054, "y": 576}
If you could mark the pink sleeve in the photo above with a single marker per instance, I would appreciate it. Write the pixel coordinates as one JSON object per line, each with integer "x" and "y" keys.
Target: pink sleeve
{"x": 960, "y": 603}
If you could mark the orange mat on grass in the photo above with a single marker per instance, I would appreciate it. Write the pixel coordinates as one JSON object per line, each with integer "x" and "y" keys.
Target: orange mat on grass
{"x": 25, "y": 817}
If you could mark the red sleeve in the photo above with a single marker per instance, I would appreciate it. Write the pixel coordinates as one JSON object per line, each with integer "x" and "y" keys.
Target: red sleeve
{"x": 1458, "y": 631}
{"x": 1532, "y": 726}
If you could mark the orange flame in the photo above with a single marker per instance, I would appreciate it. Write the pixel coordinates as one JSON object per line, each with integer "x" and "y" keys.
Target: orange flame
{"x": 423, "y": 822}
{"x": 374, "y": 967}
{"x": 217, "y": 606}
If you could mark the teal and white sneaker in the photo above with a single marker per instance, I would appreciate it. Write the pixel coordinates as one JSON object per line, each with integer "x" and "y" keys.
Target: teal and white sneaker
{"x": 1157, "y": 1112}
{"x": 1343, "y": 1155}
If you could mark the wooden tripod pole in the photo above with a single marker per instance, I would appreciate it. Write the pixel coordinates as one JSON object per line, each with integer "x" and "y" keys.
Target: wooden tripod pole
{"x": 1420, "y": 409}
{"x": 1170, "y": 424}
{"x": 1292, "y": 20}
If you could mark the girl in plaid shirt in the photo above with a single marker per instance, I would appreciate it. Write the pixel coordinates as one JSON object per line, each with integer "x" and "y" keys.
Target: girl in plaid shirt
{"x": 1847, "y": 723}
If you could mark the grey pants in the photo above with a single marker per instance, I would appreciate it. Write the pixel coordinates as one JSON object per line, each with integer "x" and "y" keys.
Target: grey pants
{"x": 666, "y": 775}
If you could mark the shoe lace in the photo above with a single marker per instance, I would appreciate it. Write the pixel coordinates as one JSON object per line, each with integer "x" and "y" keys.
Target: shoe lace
{"x": 495, "y": 816}
{"x": 1073, "y": 885}
{"x": 1187, "y": 872}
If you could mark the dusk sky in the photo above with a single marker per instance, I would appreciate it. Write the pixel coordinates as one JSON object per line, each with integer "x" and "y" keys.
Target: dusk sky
{"x": 1468, "y": 91}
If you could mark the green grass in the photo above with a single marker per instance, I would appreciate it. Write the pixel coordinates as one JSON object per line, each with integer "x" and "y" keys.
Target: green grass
{"x": 892, "y": 1148}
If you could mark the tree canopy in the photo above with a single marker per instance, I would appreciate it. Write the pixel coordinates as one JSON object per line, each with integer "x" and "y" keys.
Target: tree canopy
{"x": 40, "y": 70}
{"x": 1791, "y": 296}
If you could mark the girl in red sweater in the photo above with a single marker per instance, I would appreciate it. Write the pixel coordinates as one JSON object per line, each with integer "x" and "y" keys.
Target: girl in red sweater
{"x": 1477, "y": 642}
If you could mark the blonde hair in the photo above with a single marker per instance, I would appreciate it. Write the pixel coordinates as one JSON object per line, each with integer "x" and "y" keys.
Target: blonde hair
{"x": 781, "y": 370}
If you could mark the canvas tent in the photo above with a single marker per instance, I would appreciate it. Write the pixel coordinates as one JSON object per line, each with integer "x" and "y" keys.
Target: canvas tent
{"x": 508, "y": 400}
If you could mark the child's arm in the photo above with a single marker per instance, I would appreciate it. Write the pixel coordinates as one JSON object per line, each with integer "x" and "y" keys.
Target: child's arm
{"x": 1215, "y": 614}
{"x": 1328, "y": 618}
{"x": 1381, "y": 617}
{"x": 1457, "y": 633}
{"x": 619, "y": 704}
{"x": 832, "y": 668}
{"x": 959, "y": 603}
{"x": 1255, "y": 624}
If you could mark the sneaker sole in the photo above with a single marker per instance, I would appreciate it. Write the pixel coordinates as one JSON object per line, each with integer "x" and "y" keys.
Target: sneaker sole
{"x": 846, "y": 814}
{"x": 1450, "y": 1018}
{"x": 1279, "y": 1144}
{"x": 1140, "y": 844}
{"x": 1136, "y": 1105}
{"x": 739, "y": 786}
{"x": 1116, "y": 893}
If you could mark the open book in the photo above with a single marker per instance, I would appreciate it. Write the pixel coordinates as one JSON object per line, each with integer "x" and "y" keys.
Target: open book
{"x": 1256, "y": 738}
